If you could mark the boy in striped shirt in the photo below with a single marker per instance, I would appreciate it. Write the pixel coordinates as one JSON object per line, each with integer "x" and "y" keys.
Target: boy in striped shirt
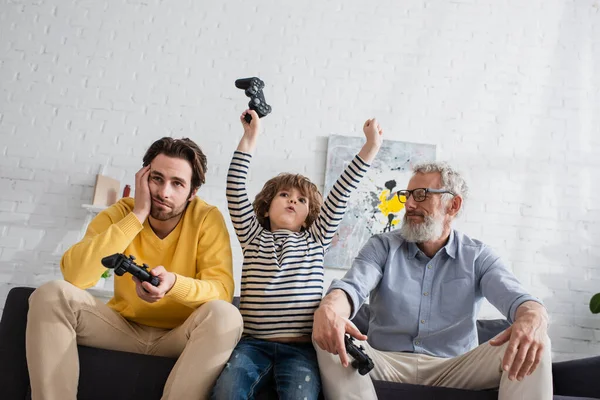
{"x": 284, "y": 235}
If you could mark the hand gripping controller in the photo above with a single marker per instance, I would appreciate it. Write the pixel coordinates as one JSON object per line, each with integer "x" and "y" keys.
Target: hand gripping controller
{"x": 253, "y": 88}
{"x": 362, "y": 362}
{"x": 121, "y": 264}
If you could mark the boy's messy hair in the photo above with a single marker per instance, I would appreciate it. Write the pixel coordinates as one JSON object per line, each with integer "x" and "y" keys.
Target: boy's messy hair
{"x": 284, "y": 181}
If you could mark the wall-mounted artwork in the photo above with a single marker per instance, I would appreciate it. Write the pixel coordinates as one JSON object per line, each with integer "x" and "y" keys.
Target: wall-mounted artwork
{"x": 372, "y": 208}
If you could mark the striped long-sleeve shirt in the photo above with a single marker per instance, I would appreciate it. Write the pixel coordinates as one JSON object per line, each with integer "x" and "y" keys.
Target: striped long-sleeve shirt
{"x": 282, "y": 275}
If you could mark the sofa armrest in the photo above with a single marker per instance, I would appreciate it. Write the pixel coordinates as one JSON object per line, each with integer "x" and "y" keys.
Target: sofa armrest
{"x": 14, "y": 378}
{"x": 577, "y": 378}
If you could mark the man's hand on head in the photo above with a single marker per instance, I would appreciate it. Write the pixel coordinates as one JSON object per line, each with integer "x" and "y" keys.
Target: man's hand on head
{"x": 142, "y": 200}
{"x": 152, "y": 294}
{"x": 526, "y": 339}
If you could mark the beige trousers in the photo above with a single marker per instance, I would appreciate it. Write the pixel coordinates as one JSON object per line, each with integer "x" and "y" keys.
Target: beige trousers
{"x": 480, "y": 368}
{"x": 62, "y": 316}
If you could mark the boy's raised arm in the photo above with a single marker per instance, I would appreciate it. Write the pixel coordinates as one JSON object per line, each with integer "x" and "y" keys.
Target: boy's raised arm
{"x": 248, "y": 142}
{"x": 240, "y": 209}
{"x": 374, "y": 135}
{"x": 334, "y": 206}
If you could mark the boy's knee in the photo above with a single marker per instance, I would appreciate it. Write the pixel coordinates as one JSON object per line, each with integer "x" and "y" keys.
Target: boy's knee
{"x": 306, "y": 384}
{"x": 226, "y": 387}
{"x": 234, "y": 381}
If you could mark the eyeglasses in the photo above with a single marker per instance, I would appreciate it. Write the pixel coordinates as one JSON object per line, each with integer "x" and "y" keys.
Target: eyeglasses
{"x": 419, "y": 194}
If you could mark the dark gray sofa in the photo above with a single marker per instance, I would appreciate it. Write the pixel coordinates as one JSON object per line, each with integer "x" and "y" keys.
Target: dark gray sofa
{"x": 116, "y": 375}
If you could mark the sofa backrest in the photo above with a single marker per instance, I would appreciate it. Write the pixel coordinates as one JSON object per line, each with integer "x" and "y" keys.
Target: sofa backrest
{"x": 486, "y": 328}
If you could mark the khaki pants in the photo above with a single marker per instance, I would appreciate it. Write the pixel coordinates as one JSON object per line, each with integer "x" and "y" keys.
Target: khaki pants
{"x": 62, "y": 316}
{"x": 480, "y": 368}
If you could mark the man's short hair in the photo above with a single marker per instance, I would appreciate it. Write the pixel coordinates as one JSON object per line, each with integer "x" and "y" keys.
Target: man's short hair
{"x": 185, "y": 149}
{"x": 452, "y": 180}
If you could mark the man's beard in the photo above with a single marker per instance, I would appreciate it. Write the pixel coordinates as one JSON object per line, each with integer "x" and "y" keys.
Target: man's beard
{"x": 162, "y": 215}
{"x": 430, "y": 229}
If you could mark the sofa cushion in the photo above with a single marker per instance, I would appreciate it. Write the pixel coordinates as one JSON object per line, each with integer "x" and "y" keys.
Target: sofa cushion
{"x": 362, "y": 317}
{"x": 119, "y": 375}
{"x": 573, "y": 398}
{"x": 389, "y": 390}
{"x": 488, "y": 328}
{"x": 14, "y": 377}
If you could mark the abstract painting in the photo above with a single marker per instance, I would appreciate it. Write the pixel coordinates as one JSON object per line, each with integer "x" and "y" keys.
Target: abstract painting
{"x": 372, "y": 208}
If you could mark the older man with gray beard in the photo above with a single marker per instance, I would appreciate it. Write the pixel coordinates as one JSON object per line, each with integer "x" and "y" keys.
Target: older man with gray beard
{"x": 425, "y": 283}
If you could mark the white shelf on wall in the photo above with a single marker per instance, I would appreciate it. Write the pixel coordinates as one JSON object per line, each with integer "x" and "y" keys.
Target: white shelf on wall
{"x": 92, "y": 208}
{"x": 104, "y": 288}
{"x": 103, "y": 293}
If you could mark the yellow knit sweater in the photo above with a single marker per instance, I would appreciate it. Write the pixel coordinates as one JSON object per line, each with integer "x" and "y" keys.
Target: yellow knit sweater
{"x": 198, "y": 251}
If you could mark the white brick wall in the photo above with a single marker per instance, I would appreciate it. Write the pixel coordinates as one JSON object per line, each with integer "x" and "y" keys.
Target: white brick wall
{"x": 506, "y": 90}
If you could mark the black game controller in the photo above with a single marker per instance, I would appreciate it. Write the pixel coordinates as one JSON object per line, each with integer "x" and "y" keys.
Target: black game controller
{"x": 253, "y": 88}
{"x": 121, "y": 264}
{"x": 362, "y": 362}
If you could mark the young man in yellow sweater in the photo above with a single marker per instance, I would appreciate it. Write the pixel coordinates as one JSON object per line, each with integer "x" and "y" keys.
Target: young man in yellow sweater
{"x": 189, "y": 315}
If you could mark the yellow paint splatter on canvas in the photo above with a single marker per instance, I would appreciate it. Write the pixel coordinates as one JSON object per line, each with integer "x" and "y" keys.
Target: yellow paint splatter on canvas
{"x": 391, "y": 206}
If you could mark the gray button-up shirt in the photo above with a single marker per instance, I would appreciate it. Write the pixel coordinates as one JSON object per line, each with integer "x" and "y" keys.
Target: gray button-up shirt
{"x": 428, "y": 305}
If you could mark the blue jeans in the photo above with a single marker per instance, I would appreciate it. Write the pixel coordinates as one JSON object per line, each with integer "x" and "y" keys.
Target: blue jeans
{"x": 254, "y": 363}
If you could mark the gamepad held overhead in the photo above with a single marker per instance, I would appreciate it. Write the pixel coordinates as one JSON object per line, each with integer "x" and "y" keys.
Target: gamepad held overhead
{"x": 253, "y": 88}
